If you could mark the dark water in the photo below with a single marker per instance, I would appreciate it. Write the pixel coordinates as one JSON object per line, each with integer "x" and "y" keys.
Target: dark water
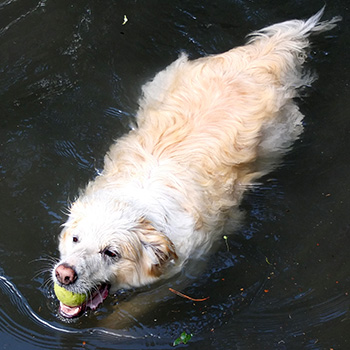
{"x": 70, "y": 78}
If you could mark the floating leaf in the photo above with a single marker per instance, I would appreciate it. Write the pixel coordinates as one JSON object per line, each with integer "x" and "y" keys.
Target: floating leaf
{"x": 125, "y": 19}
{"x": 182, "y": 339}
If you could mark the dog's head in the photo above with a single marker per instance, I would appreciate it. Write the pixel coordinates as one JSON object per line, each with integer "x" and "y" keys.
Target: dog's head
{"x": 108, "y": 245}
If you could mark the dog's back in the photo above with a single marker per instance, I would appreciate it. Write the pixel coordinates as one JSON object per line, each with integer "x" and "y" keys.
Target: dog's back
{"x": 227, "y": 117}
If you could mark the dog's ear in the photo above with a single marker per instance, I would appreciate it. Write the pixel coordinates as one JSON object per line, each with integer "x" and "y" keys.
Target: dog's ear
{"x": 158, "y": 248}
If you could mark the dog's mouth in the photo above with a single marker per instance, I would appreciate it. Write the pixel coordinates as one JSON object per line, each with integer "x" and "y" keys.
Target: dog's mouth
{"x": 93, "y": 301}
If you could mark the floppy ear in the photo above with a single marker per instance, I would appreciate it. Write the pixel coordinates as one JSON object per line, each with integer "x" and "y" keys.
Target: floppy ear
{"x": 158, "y": 248}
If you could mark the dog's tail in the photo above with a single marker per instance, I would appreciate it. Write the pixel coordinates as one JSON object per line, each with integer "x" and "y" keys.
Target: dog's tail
{"x": 294, "y": 33}
{"x": 286, "y": 43}
{"x": 282, "y": 48}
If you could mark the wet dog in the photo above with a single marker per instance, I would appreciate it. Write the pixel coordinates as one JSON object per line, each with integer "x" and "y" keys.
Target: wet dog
{"x": 206, "y": 130}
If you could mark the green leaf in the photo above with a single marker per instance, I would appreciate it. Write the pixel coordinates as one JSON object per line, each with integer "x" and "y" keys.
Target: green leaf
{"x": 182, "y": 339}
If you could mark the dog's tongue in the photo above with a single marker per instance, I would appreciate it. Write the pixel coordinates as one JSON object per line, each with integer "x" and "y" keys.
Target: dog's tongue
{"x": 98, "y": 297}
{"x": 70, "y": 311}
{"x": 93, "y": 302}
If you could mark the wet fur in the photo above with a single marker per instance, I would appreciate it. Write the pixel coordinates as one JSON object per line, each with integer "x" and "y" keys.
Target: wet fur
{"x": 206, "y": 130}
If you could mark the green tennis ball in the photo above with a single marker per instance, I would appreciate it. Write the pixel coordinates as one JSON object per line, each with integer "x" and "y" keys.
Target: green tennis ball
{"x": 68, "y": 298}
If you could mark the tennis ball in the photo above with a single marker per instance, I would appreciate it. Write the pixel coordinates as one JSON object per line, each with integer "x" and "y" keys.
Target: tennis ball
{"x": 68, "y": 298}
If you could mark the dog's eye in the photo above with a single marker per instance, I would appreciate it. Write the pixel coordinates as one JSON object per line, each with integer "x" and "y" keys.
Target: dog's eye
{"x": 111, "y": 253}
{"x": 75, "y": 239}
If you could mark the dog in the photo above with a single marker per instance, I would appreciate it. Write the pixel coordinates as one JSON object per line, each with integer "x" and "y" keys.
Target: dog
{"x": 207, "y": 129}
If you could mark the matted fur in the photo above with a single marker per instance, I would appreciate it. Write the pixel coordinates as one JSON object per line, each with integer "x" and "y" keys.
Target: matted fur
{"x": 206, "y": 129}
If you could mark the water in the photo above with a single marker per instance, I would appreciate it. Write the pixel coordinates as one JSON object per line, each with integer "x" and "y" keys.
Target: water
{"x": 70, "y": 77}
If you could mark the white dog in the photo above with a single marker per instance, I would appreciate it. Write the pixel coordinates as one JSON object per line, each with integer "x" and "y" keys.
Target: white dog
{"x": 206, "y": 129}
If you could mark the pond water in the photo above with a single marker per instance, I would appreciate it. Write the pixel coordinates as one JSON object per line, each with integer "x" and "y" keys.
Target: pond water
{"x": 70, "y": 78}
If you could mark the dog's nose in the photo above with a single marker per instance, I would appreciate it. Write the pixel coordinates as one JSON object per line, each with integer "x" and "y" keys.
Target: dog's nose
{"x": 65, "y": 274}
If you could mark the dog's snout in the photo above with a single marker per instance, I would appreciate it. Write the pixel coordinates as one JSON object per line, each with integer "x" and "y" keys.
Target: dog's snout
{"x": 66, "y": 274}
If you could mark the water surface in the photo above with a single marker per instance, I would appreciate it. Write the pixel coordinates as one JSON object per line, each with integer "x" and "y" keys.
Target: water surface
{"x": 70, "y": 78}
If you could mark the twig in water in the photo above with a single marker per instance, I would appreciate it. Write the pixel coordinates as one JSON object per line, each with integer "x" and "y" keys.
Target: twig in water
{"x": 186, "y": 296}
{"x": 227, "y": 246}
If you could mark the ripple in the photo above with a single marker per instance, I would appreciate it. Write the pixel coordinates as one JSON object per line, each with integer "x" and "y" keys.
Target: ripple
{"x": 42, "y": 333}
{"x": 68, "y": 149}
